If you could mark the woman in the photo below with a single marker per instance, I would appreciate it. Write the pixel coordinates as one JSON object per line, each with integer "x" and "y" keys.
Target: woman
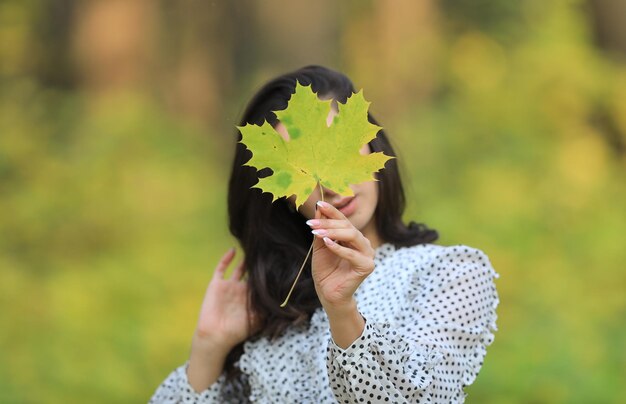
{"x": 380, "y": 314}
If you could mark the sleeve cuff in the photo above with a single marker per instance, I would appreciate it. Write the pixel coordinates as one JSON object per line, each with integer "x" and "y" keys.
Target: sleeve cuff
{"x": 189, "y": 394}
{"x": 347, "y": 358}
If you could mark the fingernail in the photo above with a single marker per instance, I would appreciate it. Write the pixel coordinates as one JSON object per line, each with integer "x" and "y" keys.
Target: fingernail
{"x": 320, "y": 232}
{"x": 328, "y": 241}
{"x": 316, "y": 205}
{"x": 313, "y": 222}
{"x": 321, "y": 204}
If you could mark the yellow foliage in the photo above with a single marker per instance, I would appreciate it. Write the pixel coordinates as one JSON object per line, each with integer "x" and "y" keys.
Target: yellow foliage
{"x": 478, "y": 61}
{"x": 582, "y": 164}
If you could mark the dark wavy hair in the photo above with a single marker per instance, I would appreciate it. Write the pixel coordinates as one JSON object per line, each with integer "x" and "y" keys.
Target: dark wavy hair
{"x": 274, "y": 236}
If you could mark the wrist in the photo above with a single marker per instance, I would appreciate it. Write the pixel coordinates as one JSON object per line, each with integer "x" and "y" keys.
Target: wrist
{"x": 340, "y": 309}
{"x": 206, "y": 362}
{"x": 210, "y": 344}
{"x": 346, "y": 324}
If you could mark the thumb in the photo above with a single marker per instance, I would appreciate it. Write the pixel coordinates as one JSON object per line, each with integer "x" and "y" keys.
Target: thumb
{"x": 318, "y": 242}
{"x": 318, "y": 212}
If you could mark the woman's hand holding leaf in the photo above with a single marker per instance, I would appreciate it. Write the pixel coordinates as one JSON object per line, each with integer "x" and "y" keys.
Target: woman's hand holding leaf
{"x": 342, "y": 257}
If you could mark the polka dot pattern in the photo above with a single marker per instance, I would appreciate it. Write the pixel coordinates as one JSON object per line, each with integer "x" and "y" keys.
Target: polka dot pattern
{"x": 430, "y": 313}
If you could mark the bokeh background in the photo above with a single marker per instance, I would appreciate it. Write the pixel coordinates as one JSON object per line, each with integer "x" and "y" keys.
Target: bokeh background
{"x": 117, "y": 129}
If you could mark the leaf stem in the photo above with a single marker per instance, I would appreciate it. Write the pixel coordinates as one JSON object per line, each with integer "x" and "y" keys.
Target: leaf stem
{"x": 305, "y": 259}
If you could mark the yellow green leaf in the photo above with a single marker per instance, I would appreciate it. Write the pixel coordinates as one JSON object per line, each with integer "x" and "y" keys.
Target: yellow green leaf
{"x": 315, "y": 152}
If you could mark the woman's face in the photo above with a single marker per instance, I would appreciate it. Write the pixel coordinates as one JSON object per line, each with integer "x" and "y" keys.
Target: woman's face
{"x": 358, "y": 209}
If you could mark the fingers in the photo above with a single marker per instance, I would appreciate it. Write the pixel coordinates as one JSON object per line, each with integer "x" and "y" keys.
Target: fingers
{"x": 330, "y": 211}
{"x": 239, "y": 271}
{"x": 351, "y": 236}
{"x": 225, "y": 261}
{"x": 329, "y": 224}
{"x": 327, "y": 215}
{"x": 221, "y": 267}
{"x": 318, "y": 217}
{"x": 358, "y": 260}
{"x": 338, "y": 228}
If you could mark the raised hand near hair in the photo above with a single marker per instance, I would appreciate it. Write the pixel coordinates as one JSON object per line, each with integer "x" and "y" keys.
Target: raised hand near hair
{"x": 224, "y": 322}
{"x": 224, "y": 316}
{"x": 342, "y": 257}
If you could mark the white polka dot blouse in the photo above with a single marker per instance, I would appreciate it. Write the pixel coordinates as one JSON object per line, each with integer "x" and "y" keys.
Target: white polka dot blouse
{"x": 430, "y": 313}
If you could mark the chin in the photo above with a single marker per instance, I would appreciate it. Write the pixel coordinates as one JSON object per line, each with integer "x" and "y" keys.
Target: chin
{"x": 357, "y": 221}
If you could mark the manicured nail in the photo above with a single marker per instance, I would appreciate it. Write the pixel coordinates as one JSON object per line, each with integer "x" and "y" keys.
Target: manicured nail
{"x": 313, "y": 222}
{"x": 322, "y": 204}
{"x": 329, "y": 242}
{"x": 320, "y": 232}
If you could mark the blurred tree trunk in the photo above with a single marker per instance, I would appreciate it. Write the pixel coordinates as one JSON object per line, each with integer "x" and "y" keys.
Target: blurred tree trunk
{"x": 393, "y": 51}
{"x": 209, "y": 53}
{"x": 294, "y": 34}
{"x": 113, "y": 44}
{"x": 179, "y": 52}
{"x": 197, "y": 58}
{"x": 50, "y": 55}
{"x": 609, "y": 21}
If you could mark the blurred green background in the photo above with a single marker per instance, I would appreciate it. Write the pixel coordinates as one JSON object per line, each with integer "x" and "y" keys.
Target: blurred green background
{"x": 117, "y": 129}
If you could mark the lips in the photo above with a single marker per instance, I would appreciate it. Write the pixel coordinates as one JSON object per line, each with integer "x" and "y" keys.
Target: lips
{"x": 347, "y": 206}
{"x": 343, "y": 202}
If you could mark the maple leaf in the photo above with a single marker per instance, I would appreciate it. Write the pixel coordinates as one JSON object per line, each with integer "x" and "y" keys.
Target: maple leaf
{"x": 315, "y": 153}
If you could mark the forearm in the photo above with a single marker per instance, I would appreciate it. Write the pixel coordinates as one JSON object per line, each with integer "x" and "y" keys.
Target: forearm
{"x": 206, "y": 362}
{"x": 346, "y": 323}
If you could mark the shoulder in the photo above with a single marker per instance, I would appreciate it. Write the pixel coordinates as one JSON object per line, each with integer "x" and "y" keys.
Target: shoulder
{"x": 407, "y": 277}
{"x": 436, "y": 265}
{"x": 460, "y": 256}
{"x": 397, "y": 264}
{"x": 416, "y": 253}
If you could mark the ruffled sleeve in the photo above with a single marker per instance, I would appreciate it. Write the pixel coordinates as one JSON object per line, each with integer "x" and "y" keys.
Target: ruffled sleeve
{"x": 176, "y": 389}
{"x": 437, "y": 343}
